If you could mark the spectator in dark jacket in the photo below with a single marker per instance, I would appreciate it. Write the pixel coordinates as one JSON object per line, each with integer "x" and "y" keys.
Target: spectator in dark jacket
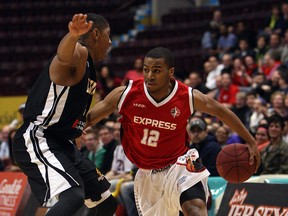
{"x": 206, "y": 144}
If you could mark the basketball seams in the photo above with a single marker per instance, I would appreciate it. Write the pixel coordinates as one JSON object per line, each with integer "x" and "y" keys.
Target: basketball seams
{"x": 233, "y": 163}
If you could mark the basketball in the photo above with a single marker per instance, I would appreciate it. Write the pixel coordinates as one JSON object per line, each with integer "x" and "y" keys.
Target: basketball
{"x": 233, "y": 163}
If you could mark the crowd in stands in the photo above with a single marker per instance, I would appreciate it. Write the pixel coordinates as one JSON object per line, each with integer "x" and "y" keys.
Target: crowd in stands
{"x": 247, "y": 71}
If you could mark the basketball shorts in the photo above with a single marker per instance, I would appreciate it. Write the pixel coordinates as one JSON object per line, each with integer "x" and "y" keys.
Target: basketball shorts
{"x": 157, "y": 193}
{"x": 54, "y": 165}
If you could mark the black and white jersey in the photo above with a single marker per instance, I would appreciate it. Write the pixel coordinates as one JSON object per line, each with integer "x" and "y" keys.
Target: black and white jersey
{"x": 61, "y": 110}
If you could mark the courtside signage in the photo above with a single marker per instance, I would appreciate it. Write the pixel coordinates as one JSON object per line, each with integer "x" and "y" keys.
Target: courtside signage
{"x": 254, "y": 199}
{"x": 12, "y": 187}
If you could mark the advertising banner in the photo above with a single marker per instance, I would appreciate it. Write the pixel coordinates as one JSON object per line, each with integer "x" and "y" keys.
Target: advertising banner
{"x": 12, "y": 188}
{"x": 254, "y": 199}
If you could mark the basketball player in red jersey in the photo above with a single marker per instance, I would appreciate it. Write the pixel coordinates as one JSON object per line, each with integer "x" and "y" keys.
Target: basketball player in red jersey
{"x": 154, "y": 114}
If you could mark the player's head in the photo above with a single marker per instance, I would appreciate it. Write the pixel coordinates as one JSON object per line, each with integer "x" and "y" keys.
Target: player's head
{"x": 162, "y": 52}
{"x": 158, "y": 69}
{"x": 98, "y": 37}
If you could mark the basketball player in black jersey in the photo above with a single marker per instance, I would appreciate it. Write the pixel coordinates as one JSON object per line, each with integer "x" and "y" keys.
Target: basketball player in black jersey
{"x": 55, "y": 114}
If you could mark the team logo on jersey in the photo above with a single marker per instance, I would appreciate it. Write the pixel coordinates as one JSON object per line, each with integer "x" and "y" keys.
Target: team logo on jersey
{"x": 175, "y": 112}
{"x": 91, "y": 87}
{"x": 139, "y": 105}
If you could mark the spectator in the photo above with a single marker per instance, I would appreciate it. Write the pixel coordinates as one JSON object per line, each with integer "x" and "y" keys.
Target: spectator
{"x": 217, "y": 21}
{"x": 273, "y": 21}
{"x": 259, "y": 111}
{"x": 261, "y": 49}
{"x": 93, "y": 146}
{"x": 4, "y": 146}
{"x": 107, "y": 81}
{"x": 205, "y": 143}
{"x": 196, "y": 82}
{"x": 277, "y": 104}
{"x": 284, "y": 53}
{"x": 239, "y": 75}
{"x": 126, "y": 197}
{"x": 134, "y": 73}
{"x": 242, "y": 32}
{"x": 284, "y": 18}
{"x": 262, "y": 137}
{"x": 271, "y": 63}
{"x": 275, "y": 155}
{"x": 216, "y": 69}
{"x": 227, "y": 62}
{"x": 285, "y": 131}
{"x": 227, "y": 42}
{"x": 243, "y": 49}
{"x": 109, "y": 145}
{"x": 283, "y": 79}
{"x": 228, "y": 91}
{"x": 121, "y": 166}
{"x": 241, "y": 109}
{"x": 221, "y": 135}
{"x": 275, "y": 45}
{"x": 250, "y": 64}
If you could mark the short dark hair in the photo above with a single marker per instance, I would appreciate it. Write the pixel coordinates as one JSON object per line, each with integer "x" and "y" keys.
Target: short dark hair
{"x": 162, "y": 52}
{"x": 99, "y": 22}
{"x": 276, "y": 119}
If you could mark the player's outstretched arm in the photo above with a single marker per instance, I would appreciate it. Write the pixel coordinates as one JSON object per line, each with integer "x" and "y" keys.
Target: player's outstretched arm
{"x": 105, "y": 107}
{"x": 68, "y": 66}
{"x": 208, "y": 105}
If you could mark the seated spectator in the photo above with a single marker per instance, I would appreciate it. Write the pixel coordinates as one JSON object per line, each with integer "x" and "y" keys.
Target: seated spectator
{"x": 215, "y": 71}
{"x": 205, "y": 144}
{"x": 250, "y": 65}
{"x": 228, "y": 91}
{"x": 93, "y": 146}
{"x": 239, "y": 75}
{"x": 283, "y": 79}
{"x": 275, "y": 156}
{"x": 262, "y": 137}
{"x": 241, "y": 109}
{"x": 227, "y": 41}
{"x": 277, "y": 104}
{"x": 196, "y": 82}
{"x": 258, "y": 113}
{"x": 121, "y": 166}
{"x": 243, "y": 49}
{"x": 134, "y": 73}
{"x": 107, "y": 81}
{"x": 126, "y": 196}
{"x": 273, "y": 22}
{"x": 284, "y": 54}
{"x": 285, "y": 131}
{"x": 260, "y": 49}
{"x": 4, "y": 146}
{"x": 221, "y": 135}
{"x": 242, "y": 32}
{"x": 270, "y": 65}
{"x": 109, "y": 144}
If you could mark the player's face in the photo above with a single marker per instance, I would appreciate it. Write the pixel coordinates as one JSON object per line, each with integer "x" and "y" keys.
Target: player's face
{"x": 157, "y": 75}
{"x": 103, "y": 44}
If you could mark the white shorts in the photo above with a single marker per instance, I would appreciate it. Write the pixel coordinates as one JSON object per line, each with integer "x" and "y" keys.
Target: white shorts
{"x": 158, "y": 193}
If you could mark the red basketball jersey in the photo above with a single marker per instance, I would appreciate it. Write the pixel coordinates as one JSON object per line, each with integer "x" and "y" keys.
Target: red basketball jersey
{"x": 154, "y": 134}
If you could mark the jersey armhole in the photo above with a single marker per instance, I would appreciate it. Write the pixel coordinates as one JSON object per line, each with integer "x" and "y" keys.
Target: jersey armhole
{"x": 191, "y": 100}
{"x": 124, "y": 94}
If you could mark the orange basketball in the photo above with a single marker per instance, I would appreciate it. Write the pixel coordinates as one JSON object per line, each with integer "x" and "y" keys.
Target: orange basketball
{"x": 233, "y": 163}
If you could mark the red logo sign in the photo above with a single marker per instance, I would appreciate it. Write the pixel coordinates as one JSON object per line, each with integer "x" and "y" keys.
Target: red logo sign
{"x": 12, "y": 187}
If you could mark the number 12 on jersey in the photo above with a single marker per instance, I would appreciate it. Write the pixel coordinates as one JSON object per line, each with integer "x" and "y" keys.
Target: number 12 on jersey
{"x": 150, "y": 137}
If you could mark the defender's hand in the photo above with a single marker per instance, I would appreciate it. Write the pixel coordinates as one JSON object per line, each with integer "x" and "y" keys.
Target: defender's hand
{"x": 79, "y": 25}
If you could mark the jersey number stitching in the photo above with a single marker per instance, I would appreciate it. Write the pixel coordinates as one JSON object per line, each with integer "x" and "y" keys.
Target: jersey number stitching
{"x": 150, "y": 137}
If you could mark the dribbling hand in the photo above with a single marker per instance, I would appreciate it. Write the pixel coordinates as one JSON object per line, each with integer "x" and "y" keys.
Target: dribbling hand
{"x": 79, "y": 25}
